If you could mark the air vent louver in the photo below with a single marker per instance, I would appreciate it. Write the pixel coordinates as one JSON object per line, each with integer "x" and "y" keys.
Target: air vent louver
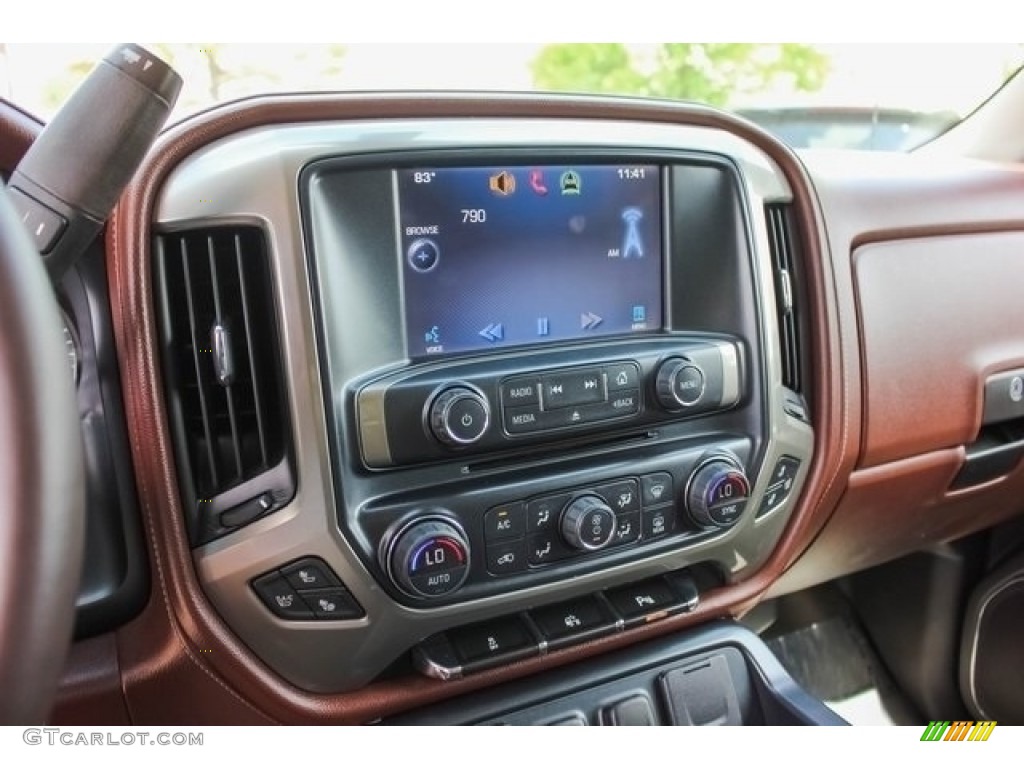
{"x": 223, "y": 373}
{"x": 783, "y": 242}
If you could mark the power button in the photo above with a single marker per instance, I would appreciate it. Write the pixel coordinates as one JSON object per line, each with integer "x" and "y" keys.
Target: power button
{"x": 459, "y": 416}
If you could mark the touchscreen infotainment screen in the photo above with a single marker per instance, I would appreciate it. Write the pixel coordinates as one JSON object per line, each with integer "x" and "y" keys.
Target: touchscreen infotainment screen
{"x": 512, "y": 255}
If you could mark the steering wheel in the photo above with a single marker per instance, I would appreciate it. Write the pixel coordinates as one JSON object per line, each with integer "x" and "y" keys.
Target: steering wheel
{"x": 41, "y": 482}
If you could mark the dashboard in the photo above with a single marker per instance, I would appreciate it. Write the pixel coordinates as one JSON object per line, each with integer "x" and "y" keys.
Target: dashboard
{"x": 425, "y": 392}
{"x": 543, "y": 366}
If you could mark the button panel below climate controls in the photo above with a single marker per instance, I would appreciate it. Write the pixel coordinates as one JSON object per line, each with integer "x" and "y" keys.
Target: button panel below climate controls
{"x": 543, "y": 629}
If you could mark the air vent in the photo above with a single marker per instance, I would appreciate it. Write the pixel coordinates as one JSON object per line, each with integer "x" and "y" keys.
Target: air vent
{"x": 223, "y": 373}
{"x": 783, "y": 241}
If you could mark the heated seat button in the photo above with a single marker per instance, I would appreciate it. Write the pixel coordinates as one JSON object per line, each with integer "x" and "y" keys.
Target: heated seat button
{"x": 491, "y": 640}
{"x": 506, "y": 521}
{"x": 333, "y": 603}
{"x": 310, "y": 573}
{"x": 785, "y": 471}
{"x": 573, "y": 621}
{"x": 279, "y": 596}
{"x": 783, "y": 478}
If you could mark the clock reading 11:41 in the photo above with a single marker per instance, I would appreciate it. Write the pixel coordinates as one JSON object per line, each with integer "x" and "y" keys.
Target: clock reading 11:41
{"x": 628, "y": 174}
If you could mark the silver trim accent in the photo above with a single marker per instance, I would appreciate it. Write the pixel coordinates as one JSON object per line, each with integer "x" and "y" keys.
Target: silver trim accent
{"x": 972, "y": 683}
{"x": 373, "y": 433}
{"x": 223, "y": 359}
{"x": 730, "y": 374}
{"x": 432, "y": 668}
{"x": 787, "y": 290}
{"x": 252, "y": 177}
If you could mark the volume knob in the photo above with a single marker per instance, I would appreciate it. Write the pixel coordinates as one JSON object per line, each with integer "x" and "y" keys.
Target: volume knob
{"x": 459, "y": 416}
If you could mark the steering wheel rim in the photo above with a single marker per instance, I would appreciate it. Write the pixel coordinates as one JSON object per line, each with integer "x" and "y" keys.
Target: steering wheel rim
{"x": 41, "y": 483}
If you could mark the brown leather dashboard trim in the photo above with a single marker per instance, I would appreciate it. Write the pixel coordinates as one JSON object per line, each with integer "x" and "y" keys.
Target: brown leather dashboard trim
{"x": 18, "y": 130}
{"x": 179, "y": 662}
{"x": 925, "y": 358}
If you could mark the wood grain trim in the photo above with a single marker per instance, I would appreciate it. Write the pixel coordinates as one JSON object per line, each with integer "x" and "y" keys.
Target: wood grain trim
{"x": 178, "y": 650}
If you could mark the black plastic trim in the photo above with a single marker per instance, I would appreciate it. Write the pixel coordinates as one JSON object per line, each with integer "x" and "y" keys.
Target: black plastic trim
{"x": 769, "y": 696}
{"x": 115, "y": 574}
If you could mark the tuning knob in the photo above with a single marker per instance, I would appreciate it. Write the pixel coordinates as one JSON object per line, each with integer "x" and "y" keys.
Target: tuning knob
{"x": 459, "y": 416}
{"x": 588, "y": 523}
{"x": 717, "y": 493}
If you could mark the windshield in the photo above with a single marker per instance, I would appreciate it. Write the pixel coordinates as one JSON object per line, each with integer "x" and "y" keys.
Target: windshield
{"x": 860, "y": 96}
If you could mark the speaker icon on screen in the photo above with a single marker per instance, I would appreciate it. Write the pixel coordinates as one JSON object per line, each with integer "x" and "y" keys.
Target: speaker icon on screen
{"x": 502, "y": 183}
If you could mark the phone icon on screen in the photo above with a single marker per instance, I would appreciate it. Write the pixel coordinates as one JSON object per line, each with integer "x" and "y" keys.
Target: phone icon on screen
{"x": 537, "y": 182}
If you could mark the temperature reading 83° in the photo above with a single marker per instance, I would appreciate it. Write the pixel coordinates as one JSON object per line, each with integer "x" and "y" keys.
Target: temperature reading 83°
{"x": 423, "y": 177}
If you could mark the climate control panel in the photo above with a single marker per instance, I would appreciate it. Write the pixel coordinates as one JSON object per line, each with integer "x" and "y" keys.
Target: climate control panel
{"x": 431, "y": 555}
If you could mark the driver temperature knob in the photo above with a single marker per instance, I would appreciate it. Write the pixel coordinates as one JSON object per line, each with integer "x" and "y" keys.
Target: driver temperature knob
{"x": 717, "y": 493}
{"x": 459, "y": 416}
{"x": 429, "y": 558}
{"x": 588, "y": 523}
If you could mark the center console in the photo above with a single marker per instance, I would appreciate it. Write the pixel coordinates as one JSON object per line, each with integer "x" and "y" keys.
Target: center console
{"x": 526, "y": 363}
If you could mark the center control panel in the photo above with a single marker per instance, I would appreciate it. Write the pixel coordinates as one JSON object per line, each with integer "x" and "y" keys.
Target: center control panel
{"x": 577, "y": 391}
{"x": 505, "y": 403}
{"x": 457, "y": 546}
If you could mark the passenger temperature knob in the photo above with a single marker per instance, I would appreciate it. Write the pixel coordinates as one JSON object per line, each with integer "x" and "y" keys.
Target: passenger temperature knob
{"x": 717, "y": 493}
